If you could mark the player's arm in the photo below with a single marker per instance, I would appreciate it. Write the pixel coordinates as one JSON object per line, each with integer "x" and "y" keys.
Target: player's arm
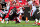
{"x": 30, "y": 4}
{"x": 30, "y": 7}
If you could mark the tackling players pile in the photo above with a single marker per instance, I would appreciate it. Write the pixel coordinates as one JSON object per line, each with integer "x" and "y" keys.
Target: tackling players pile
{"x": 11, "y": 10}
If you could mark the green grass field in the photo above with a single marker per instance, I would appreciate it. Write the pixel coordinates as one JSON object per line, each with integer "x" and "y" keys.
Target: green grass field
{"x": 22, "y": 24}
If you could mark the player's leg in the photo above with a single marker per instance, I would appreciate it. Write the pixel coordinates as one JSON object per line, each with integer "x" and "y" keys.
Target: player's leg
{"x": 39, "y": 20}
{"x": 33, "y": 11}
{"x": 7, "y": 19}
{"x": 39, "y": 15}
{"x": 19, "y": 17}
{"x": 36, "y": 19}
{"x": 3, "y": 16}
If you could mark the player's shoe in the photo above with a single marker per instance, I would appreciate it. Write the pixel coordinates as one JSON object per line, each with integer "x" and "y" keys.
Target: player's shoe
{"x": 36, "y": 20}
{"x": 2, "y": 21}
{"x": 35, "y": 23}
{"x": 7, "y": 22}
{"x": 27, "y": 21}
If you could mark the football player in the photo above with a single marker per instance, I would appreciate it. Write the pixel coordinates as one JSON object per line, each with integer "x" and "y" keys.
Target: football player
{"x": 32, "y": 8}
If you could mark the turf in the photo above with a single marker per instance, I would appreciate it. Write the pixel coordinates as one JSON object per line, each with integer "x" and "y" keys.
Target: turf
{"x": 22, "y": 24}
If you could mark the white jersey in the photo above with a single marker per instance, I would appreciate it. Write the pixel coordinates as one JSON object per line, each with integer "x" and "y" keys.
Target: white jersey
{"x": 8, "y": 6}
{"x": 5, "y": 11}
{"x": 30, "y": 2}
{"x": 33, "y": 7}
{"x": 21, "y": 10}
